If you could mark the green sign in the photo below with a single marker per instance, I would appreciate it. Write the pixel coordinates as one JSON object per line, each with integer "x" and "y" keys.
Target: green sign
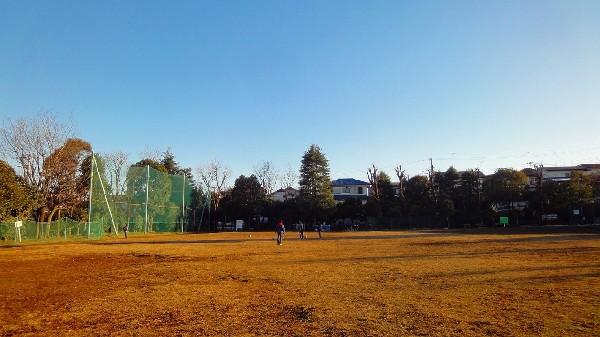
{"x": 504, "y": 220}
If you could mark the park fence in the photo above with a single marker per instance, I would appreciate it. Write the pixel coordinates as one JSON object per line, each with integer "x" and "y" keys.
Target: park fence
{"x": 151, "y": 201}
{"x": 65, "y": 229}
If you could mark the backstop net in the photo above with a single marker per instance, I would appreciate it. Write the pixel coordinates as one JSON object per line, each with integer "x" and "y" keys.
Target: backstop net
{"x": 148, "y": 201}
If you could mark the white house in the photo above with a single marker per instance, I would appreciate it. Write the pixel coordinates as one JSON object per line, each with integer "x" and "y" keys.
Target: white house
{"x": 283, "y": 194}
{"x": 561, "y": 173}
{"x": 350, "y": 188}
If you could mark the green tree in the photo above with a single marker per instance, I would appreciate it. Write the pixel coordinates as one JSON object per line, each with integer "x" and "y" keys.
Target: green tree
{"x": 557, "y": 195}
{"x": 382, "y": 193}
{"x": 98, "y": 204}
{"x": 198, "y": 217}
{"x": 315, "y": 184}
{"x": 152, "y": 163}
{"x": 468, "y": 202}
{"x": 172, "y": 166}
{"x": 503, "y": 188}
{"x": 29, "y": 143}
{"x": 565, "y": 196}
{"x": 247, "y": 198}
{"x": 386, "y": 192}
{"x": 537, "y": 196}
{"x": 595, "y": 183}
{"x": 64, "y": 187}
{"x": 159, "y": 184}
{"x": 351, "y": 209}
{"x": 447, "y": 187}
{"x": 418, "y": 196}
{"x": 580, "y": 188}
{"x": 181, "y": 186}
{"x": 15, "y": 197}
{"x": 580, "y": 192}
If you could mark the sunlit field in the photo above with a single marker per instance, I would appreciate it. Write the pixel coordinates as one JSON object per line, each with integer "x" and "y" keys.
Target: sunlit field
{"x": 499, "y": 282}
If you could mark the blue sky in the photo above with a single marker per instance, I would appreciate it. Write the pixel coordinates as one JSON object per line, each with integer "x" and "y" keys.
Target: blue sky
{"x": 474, "y": 84}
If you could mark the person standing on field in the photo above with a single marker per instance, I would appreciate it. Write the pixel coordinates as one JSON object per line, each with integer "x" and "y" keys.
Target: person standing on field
{"x": 280, "y": 230}
{"x": 320, "y": 229}
{"x": 126, "y": 229}
{"x": 301, "y": 230}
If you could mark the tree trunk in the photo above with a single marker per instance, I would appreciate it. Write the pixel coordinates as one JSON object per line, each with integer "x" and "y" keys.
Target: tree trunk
{"x": 56, "y": 208}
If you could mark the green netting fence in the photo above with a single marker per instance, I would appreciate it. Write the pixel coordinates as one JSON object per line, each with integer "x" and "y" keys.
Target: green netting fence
{"x": 152, "y": 201}
{"x": 148, "y": 201}
{"x": 60, "y": 229}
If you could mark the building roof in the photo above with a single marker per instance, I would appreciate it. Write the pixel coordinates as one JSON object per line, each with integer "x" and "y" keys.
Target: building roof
{"x": 583, "y": 167}
{"x": 562, "y": 168}
{"x": 348, "y": 182}
{"x": 289, "y": 189}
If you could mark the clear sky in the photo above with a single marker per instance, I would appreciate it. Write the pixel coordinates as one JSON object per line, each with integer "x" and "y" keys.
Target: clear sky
{"x": 474, "y": 84}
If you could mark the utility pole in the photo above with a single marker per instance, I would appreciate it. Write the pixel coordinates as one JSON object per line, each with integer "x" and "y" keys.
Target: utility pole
{"x": 477, "y": 181}
{"x": 431, "y": 171}
{"x": 539, "y": 177}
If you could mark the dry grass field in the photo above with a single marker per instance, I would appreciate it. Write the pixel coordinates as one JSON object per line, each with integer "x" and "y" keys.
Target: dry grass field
{"x": 413, "y": 283}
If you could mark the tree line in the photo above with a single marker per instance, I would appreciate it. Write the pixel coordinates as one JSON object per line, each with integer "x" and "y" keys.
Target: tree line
{"x": 45, "y": 175}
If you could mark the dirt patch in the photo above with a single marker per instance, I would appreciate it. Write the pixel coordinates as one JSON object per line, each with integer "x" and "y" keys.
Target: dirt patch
{"x": 349, "y": 284}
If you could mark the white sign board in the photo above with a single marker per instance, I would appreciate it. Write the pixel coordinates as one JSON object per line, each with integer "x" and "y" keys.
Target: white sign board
{"x": 18, "y": 225}
{"x": 239, "y": 225}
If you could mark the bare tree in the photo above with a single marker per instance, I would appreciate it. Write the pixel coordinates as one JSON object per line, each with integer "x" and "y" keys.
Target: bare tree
{"x": 28, "y": 142}
{"x": 372, "y": 175}
{"x": 116, "y": 164}
{"x": 154, "y": 154}
{"x": 267, "y": 176}
{"x": 288, "y": 179}
{"x": 49, "y": 157}
{"x": 214, "y": 176}
{"x": 401, "y": 179}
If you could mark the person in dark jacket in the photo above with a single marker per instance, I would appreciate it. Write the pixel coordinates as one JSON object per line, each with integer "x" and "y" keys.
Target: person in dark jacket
{"x": 320, "y": 229}
{"x": 301, "y": 230}
{"x": 280, "y": 230}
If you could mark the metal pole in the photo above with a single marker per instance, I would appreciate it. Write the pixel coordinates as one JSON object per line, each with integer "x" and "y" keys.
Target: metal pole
{"x": 147, "y": 184}
{"x": 90, "y": 201}
{"x": 106, "y": 200}
{"x": 209, "y": 206}
{"x": 183, "y": 203}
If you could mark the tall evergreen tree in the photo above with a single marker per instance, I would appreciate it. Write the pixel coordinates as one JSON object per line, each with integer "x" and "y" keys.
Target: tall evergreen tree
{"x": 172, "y": 166}
{"x": 315, "y": 184}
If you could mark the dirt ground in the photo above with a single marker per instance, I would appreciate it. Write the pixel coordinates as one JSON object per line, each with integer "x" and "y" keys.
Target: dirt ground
{"x": 502, "y": 282}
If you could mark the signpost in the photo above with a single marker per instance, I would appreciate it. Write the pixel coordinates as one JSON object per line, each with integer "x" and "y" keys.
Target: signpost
{"x": 18, "y": 225}
{"x": 504, "y": 220}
